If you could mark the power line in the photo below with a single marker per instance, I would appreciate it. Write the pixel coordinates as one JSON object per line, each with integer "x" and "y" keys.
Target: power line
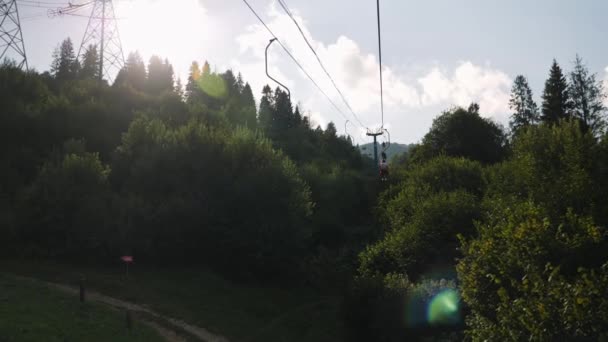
{"x": 286, "y": 9}
{"x": 54, "y": 3}
{"x": 294, "y": 59}
{"x": 37, "y": 6}
{"x": 380, "y": 59}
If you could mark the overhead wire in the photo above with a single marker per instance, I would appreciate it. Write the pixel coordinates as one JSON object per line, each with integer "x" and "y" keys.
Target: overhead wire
{"x": 288, "y": 11}
{"x": 294, "y": 59}
{"x": 55, "y": 3}
{"x": 380, "y": 60}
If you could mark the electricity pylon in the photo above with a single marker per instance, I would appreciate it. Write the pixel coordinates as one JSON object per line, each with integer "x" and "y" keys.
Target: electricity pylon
{"x": 11, "y": 37}
{"x": 102, "y": 32}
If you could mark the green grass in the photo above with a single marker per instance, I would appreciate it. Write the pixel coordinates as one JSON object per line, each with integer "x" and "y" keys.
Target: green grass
{"x": 239, "y": 312}
{"x": 30, "y": 311}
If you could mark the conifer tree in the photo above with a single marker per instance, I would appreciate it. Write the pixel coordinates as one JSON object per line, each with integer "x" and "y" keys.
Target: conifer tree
{"x": 556, "y": 102}
{"x": 65, "y": 66}
{"x": 587, "y": 96}
{"x": 266, "y": 108}
{"x": 525, "y": 110}
{"x": 90, "y": 63}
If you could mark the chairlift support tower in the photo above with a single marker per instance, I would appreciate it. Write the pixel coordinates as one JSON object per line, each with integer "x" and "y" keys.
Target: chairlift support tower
{"x": 375, "y": 135}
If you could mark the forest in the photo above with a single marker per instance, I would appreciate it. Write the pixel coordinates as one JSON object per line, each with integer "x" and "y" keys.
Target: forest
{"x": 482, "y": 232}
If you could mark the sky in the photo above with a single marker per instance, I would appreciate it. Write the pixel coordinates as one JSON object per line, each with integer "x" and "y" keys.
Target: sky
{"x": 436, "y": 53}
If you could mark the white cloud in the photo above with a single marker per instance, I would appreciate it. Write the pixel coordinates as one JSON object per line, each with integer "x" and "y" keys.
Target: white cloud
{"x": 164, "y": 25}
{"x": 356, "y": 74}
{"x": 469, "y": 83}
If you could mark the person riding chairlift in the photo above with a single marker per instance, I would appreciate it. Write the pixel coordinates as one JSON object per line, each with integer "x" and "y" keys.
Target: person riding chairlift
{"x": 383, "y": 168}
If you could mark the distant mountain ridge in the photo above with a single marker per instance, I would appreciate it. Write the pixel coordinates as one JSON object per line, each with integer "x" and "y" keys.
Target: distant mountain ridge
{"x": 394, "y": 149}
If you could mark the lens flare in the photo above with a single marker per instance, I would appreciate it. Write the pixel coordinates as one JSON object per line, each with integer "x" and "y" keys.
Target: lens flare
{"x": 444, "y": 308}
{"x": 213, "y": 85}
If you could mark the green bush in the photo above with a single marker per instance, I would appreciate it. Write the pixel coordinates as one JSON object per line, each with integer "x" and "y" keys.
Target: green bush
{"x": 207, "y": 195}
{"x": 462, "y": 133}
{"x": 528, "y": 277}
{"x": 429, "y": 238}
{"x": 66, "y": 212}
{"x": 552, "y": 165}
{"x": 424, "y": 213}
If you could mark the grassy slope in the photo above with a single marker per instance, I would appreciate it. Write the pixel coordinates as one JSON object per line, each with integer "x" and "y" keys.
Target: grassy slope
{"x": 33, "y": 312}
{"x": 241, "y": 313}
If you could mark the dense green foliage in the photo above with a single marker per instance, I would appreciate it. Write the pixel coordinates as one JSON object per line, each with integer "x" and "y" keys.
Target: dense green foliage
{"x": 436, "y": 201}
{"x": 528, "y": 277}
{"x": 509, "y": 232}
{"x": 463, "y": 133}
{"x": 92, "y": 171}
{"x": 532, "y": 261}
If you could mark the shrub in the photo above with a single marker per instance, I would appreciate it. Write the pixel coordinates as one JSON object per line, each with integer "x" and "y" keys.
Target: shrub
{"x": 527, "y": 277}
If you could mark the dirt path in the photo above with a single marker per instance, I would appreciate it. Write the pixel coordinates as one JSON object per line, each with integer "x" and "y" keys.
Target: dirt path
{"x": 170, "y": 328}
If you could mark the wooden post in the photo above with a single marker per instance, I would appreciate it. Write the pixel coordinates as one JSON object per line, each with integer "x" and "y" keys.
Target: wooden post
{"x": 129, "y": 321}
{"x": 82, "y": 290}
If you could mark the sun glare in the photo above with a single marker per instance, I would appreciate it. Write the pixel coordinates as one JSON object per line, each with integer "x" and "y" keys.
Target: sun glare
{"x": 177, "y": 30}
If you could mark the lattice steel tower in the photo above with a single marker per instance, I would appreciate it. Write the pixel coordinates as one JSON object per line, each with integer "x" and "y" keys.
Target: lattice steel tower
{"x": 102, "y": 31}
{"x": 11, "y": 37}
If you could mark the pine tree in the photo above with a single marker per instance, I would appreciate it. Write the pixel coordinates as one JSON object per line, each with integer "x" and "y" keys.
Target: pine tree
{"x": 525, "y": 110}
{"x": 160, "y": 76}
{"x": 297, "y": 117}
{"x": 587, "y": 96}
{"x": 266, "y": 108}
{"x": 556, "y": 101}
{"x": 65, "y": 66}
{"x": 192, "y": 88}
{"x": 230, "y": 83}
{"x": 283, "y": 111}
{"x": 133, "y": 73}
{"x": 206, "y": 71}
{"x": 331, "y": 130}
{"x": 248, "y": 104}
{"x": 90, "y": 64}
{"x": 239, "y": 83}
{"x": 179, "y": 87}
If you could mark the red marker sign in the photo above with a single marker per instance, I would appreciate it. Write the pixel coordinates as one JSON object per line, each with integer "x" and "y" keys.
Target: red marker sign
{"x": 127, "y": 258}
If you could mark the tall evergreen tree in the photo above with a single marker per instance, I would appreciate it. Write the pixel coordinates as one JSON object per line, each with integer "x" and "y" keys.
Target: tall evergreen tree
{"x": 179, "y": 87}
{"x": 297, "y": 116}
{"x": 230, "y": 83}
{"x": 206, "y": 70}
{"x": 192, "y": 88}
{"x": 65, "y": 66}
{"x": 239, "y": 83}
{"x": 90, "y": 63}
{"x": 587, "y": 96}
{"x": 525, "y": 111}
{"x": 283, "y": 111}
{"x": 133, "y": 73}
{"x": 266, "y": 108}
{"x": 556, "y": 100}
{"x": 331, "y": 130}
{"x": 160, "y": 76}
{"x": 248, "y": 105}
